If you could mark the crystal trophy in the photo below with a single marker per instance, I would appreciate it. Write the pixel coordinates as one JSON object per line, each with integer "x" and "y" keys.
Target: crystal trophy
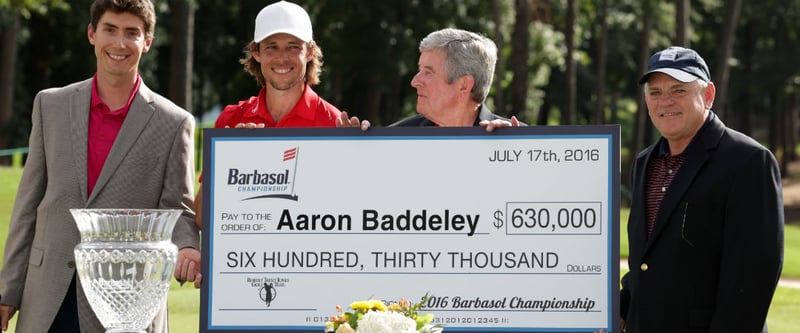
{"x": 125, "y": 262}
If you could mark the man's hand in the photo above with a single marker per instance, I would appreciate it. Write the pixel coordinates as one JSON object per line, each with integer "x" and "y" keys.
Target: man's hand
{"x": 490, "y": 125}
{"x": 187, "y": 267}
{"x": 6, "y": 313}
{"x": 345, "y": 121}
{"x": 247, "y": 125}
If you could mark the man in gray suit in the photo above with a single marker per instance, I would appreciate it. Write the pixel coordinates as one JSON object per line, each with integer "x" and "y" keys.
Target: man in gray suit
{"x": 106, "y": 142}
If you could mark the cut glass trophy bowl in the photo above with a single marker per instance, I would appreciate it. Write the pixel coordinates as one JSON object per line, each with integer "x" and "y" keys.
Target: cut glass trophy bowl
{"x": 125, "y": 262}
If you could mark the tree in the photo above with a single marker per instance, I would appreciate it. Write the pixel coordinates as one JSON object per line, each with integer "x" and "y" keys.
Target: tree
{"x": 568, "y": 114}
{"x": 8, "y": 57}
{"x": 727, "y": 37}
{"x": 682, "y": 23}
{"x": 641, "y": 125}
{"x": 600, "y": 61}
{"x": 182, "y": 53}
{"x": 11, "y": 14}
{"x": 497, "y": 9}
{"x": 520, "y": 53}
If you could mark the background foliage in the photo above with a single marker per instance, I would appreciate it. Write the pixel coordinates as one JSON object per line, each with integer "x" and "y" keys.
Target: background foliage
{"x": 371, "y": 52}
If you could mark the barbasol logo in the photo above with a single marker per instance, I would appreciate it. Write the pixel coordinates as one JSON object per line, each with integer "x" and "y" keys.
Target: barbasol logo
{"x": 237, "y": 177}
{"x": 266, "y": 184}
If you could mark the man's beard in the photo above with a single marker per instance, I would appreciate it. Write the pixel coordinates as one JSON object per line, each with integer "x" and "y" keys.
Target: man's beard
{"x": 282, "y": 86}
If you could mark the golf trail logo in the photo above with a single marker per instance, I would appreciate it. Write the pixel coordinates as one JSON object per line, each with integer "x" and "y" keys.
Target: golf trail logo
{"x": 267, "y": 293}
{"x": 266, "y": 288}
{"x": 273, "y": 183}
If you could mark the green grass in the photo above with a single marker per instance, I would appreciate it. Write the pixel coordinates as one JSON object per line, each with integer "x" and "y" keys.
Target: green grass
{"x": 184, "y": 302}
{"x": 782, "y": 317}
{"x": 791, "y": 251}
{"x": 184, "y": 307}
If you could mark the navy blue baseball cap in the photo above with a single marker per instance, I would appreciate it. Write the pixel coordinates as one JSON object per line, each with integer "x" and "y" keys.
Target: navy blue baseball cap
{"x": 682, "y": 64}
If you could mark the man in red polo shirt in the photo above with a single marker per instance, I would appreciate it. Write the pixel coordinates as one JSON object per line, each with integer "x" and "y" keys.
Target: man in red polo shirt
{"x": 286, "y": 62}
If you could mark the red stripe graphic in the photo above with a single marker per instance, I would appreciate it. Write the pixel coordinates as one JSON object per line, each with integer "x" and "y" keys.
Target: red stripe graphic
{"x": 290, "y": 154}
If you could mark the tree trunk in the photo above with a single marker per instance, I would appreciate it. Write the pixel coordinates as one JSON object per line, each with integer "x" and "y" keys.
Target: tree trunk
{"x": 795, "y": 109}
{"x": 8, "y": 59}
{"x": 790, "y": 153}
{"x": 181, "y": 54}
{"x": 640, "y": 137}
{"x": 783, "y": 128}
{"x": 520, "y": 54}
{"x": 745, "y": 100}
{"x": 499, "y": 70}
{"x": 568, "y": 113}
{"x": 372, "y": 97}
{"x": 544, "y": 113}
{"x": 682, "y": 23}
{"x": 727, "y": 38}
{"x": 614, "y": 106}
{"x": 600, "y": 60}
{"x": 773, "y": 136}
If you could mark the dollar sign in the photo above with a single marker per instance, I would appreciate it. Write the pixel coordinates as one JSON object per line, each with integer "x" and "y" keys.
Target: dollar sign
{"x": 498, "y": 219}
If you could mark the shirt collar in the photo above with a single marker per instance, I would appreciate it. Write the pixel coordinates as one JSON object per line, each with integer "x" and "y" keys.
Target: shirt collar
{"x": 305, "y": 108}
{"x": 97, "y": 101}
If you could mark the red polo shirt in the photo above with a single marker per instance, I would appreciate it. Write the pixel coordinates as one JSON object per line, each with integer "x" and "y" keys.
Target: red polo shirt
{"x": 310, "y": 111}
{"x": 104, "y": 125}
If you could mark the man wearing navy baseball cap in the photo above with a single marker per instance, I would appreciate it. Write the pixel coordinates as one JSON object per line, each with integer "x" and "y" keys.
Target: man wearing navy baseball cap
{"x": 705, "y": 230}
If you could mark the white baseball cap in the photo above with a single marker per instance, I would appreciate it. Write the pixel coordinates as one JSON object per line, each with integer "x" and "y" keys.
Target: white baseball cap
{"x": 283, "y": 17}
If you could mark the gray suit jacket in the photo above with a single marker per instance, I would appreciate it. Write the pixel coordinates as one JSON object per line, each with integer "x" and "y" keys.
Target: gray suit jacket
{"x": 149, "y": 166}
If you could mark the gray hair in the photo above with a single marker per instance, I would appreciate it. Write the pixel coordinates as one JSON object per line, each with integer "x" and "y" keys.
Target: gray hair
{"x": 467, "y": 53}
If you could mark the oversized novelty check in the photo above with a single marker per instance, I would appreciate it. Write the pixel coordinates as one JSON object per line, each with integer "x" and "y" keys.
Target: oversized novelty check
{"x": 515, "y": 230}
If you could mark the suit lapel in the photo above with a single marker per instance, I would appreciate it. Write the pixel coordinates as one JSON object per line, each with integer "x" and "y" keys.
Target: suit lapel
{"x": 638, "y": 207}
{"x": 78, "y": 109}
{"x": 138, "y": 116}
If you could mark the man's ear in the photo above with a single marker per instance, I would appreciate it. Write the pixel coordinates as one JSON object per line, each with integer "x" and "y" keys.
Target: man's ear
{"x": 90, "y": 33}
{"x": 466, "y": 83}
{"x": 147, "y": 43}
{"x": 253, "y": 48}
{"x": 309, "y": 51}
{"x": 709, "y": 94}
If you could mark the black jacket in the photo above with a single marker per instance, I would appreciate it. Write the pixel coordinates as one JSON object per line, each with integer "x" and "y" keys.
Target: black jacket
{"x": 715, "y": 255}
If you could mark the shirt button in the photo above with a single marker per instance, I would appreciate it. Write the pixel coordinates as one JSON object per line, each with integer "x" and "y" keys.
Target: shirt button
{"x": 71, "y": 264}
{"x": 643, "y": 267}
{"x": 669, "y": 171}
{"x": 663, "y": 189}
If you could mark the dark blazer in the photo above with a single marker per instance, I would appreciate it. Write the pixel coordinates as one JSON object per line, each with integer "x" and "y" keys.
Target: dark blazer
{"x": 419, "y": 120}
{"x": 151, "y": 165}
{"x": 715, "y": 255}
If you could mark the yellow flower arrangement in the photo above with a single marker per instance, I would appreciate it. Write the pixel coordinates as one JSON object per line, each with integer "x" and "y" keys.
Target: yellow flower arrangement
{"x": 374, "y": 316}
